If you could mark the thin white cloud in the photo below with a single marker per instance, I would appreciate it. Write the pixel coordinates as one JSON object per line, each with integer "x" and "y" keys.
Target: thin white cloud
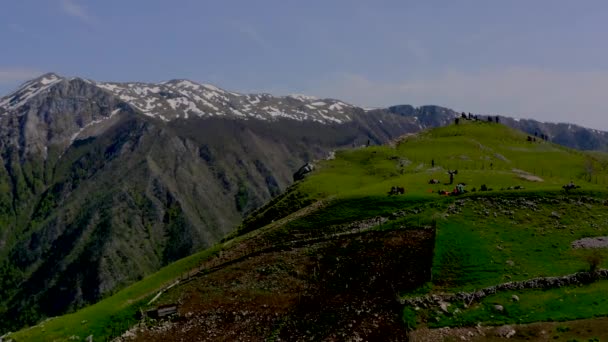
{"x": 72, "y": 8}
{"x": 12, "y": 75}
{"x": 548, "y": 95}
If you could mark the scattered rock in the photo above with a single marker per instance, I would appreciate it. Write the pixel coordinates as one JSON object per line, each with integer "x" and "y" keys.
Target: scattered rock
{"x": 499, "y": 308}
{"x": 515, "y": 298}
{"x": 444, "y": 306}
{"x": 505, "y": 331}
{"x": 555, "y": 215}
{"x": 596, "y": 242}
{"x": 510, "y": 263}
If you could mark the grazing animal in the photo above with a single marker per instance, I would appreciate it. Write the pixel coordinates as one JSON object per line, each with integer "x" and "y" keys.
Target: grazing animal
{"x": 570, "y": 186}
{"x": 434, "y": 181}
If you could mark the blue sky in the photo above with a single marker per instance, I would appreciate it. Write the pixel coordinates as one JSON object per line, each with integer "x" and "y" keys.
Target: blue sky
{"x": 546, "y": 60}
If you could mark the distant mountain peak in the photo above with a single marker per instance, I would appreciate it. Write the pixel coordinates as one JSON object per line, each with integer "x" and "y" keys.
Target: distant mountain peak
{"x": 29, "y": 90}
{"x": 302, "y": 97}
{"x": 184, "y": 99}
{"x": 49, "y": 75}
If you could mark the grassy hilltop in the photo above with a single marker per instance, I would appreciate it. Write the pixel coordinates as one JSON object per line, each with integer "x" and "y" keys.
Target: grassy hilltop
{"x": 288, "y": 263}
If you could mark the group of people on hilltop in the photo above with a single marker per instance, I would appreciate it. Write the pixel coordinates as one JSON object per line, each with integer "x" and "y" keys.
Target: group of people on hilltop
{"x": 470, "y": 116}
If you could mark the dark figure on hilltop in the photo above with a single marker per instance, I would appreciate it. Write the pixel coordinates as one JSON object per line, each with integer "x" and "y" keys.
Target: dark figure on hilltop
{"x": 452, "y": 173}
{"x": 432, "y": 162}
{"x": 497, "y": 119}
{"x": 490, "y": 119}
{"x": 456, "y": 120}
{"x": 463, "y": 115}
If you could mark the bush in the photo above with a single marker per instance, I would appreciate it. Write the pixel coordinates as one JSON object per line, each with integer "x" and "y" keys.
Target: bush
{"x": 594, "y": 260}
{"x": 409, "y": 318}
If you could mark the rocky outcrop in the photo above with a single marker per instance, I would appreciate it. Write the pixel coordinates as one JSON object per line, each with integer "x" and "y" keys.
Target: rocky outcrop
{"x": 303, "y": 171}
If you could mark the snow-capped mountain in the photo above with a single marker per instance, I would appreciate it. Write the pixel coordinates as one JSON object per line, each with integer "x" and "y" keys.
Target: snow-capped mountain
{"x": 185, "y": 99}
{"x": 105, "y": 182}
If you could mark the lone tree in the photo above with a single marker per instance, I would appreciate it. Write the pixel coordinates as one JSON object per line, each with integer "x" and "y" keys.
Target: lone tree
{"x": 594, "y": 260}
{"x": 490, "y": 119}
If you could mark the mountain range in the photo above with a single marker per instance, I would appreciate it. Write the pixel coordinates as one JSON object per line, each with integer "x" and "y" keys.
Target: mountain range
{"x": 103, "y": 183}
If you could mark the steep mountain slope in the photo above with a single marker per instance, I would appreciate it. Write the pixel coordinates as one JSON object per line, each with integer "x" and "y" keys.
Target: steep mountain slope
{"x": 104, "y": 183}
{"x": 345, "y": 265}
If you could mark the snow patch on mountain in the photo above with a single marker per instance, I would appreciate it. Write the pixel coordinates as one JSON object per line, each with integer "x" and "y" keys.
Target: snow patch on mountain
{"x": 93, "y": 122}
{"x": 302, "y": 97}
{"x": 182, "y": 98}
{"x": 27, "y": 91}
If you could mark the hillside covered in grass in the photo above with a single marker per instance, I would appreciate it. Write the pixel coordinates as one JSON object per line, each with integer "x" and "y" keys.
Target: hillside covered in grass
{"x": 336, "y": 255}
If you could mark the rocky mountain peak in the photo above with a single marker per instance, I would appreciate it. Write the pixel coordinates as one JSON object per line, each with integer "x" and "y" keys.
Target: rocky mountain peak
{"x": 184, "y": 99}
{"x": 29, "y": 90}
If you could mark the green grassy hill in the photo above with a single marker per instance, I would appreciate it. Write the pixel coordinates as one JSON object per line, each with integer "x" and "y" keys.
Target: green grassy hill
{"x": 479, "y": 239}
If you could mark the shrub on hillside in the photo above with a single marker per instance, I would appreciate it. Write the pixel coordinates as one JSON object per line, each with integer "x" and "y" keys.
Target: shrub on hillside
{"x": 409, "y": 318}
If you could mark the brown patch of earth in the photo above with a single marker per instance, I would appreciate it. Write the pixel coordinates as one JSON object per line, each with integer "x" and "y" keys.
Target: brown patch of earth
{"x": 527, "y": 176}
{"x": 340, "y": 289}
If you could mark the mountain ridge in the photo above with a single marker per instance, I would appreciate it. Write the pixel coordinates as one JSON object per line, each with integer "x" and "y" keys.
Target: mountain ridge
{"x": 183, "y": 99}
